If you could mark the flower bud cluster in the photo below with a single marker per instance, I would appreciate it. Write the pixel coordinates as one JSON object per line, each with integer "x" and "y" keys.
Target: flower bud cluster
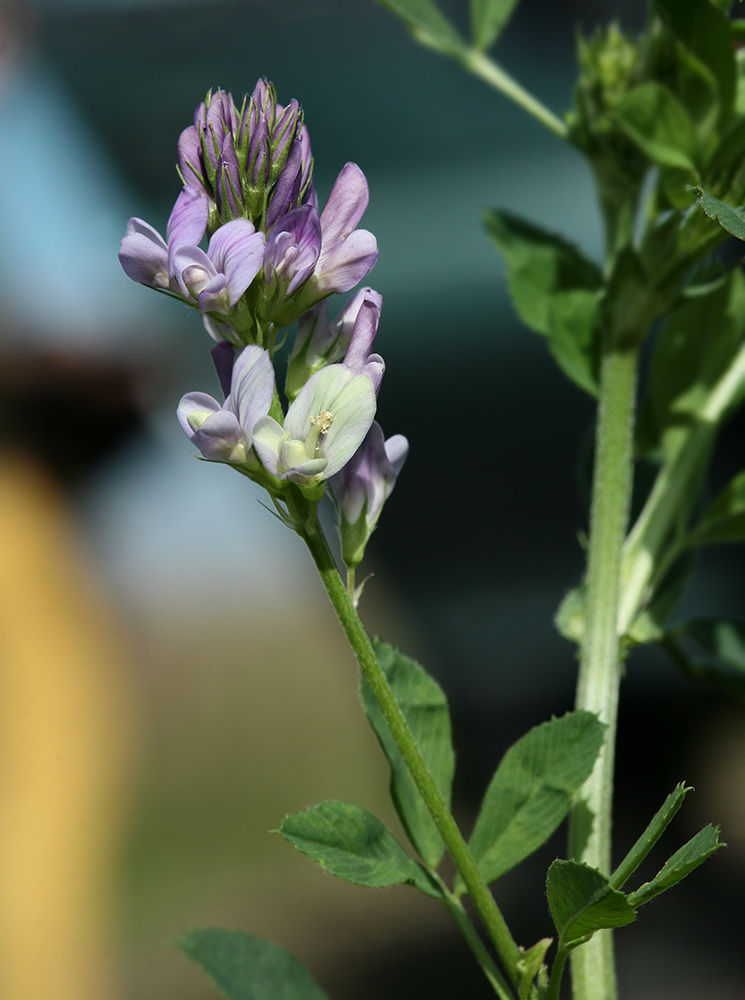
{"x": 270, "y": 259}
{"x": 251, "y": 168}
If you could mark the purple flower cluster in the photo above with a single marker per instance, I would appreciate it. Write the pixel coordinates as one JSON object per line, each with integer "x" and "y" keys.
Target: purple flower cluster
{"x": 272, "y": 258}
{"x": 252, "y": 169}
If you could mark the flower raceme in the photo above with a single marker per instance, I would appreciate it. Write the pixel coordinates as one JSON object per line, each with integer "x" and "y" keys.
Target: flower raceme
{"x": 248, "y": 247}
{"x": 253, "y": 166}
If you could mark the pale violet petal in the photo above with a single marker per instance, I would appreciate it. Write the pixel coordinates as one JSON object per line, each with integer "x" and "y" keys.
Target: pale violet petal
{"x": 353, "y": 411}
{"x": 220, "y": 438}
{"x": 396, "y": 449}
{"x": 347, "y": 264}
{"x": 252, "y": 387}
{"x": 318, "y": 393}
{"x": 345, "y": 207}
{"x": 310, "y": 469}
{"x": 194, "y": 401}
{"x": 267, "y": 438}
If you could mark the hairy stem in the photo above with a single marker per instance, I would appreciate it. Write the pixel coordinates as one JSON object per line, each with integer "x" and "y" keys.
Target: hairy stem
{"x": 359, "y": 640}
{"x": 593, "y": 974}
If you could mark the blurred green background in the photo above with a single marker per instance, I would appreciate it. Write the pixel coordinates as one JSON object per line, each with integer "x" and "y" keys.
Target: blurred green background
{"x": 230, "y": 695}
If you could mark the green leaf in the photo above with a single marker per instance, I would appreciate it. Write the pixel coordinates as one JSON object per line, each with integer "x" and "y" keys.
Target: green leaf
{"x": 425, "y": 708}
{"x": 531, "y": 791}
{"x": 723, "y": 638}
{"x": 729, "y": 218}
{"x": 488, "y": 20}
{"x": 539, "y": 265}
{"x": 655, "y": 121}
{"x": 723, "y": 642}
{"x": 704, "y": 31}
{"x": 555, "y": 292}
{"x": 682, "y": 863}
{"x": 352, "y": 844}
{"x": 573, "y": 337}
{"x": 696, "y": 345}
{"x": 724, "y": 518}
{"x": 659, "y": 823}
{"x": 583, "y": 901}
{"x": 245, "y": 967}
{"x": 427, "y": 24}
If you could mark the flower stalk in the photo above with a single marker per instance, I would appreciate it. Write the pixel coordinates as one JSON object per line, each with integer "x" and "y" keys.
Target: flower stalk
{"x": 457, "y": 847}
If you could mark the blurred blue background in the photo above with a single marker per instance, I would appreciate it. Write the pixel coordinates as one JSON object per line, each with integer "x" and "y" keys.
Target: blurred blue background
{"x": 228, "y": 696}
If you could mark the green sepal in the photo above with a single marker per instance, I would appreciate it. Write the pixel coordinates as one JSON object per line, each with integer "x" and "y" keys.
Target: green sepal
{"x": 682, "y": 863}
{"x": 489, "y": 18}
{"x": 529, "y": 965}
{"x": 570, "y": 615}
{"x": 428, "y": 25}
{"x": 724, "y": 518}
{"x": 349, "y": 842}
{"x": 425, "y": 708}
{"x": 531, "y": 791}
{"x": 657, "y": 826}
{"x": 582, "y": 901}
{"x": 651, "y": 623}
{"x": 245, "y": 967}
{"x": 658, "y": 124}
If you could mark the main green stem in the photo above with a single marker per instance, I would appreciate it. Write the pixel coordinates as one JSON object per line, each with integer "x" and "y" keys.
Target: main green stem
{"x": 593, "y": 973}
{"x": 359, "y": 640}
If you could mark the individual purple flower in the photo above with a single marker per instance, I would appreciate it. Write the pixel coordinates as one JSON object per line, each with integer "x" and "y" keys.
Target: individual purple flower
{"x": 292, "y": 248}
{"x": 225, "y": 433}
{"x": 143, "y": 255}
{"x": 358, "y": 357}
{"x": 218, "y": 278}
{"x": 147, "y": 258}
{"x": 362, "y": 487}
{"x": 320, "y": 343}
{"x": 347, "y": 254}
{"x": 323, "y": 428}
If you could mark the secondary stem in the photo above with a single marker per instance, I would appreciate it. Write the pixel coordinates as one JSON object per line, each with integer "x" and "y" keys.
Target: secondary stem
{"x": 359, "y": 640}
{"x": 593, "y": 974}
{"x": 456, "y": 910}
{"x": 557, "y": 972}
{"x": 676, "y": 479}
{"x": 485, "y": 68}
